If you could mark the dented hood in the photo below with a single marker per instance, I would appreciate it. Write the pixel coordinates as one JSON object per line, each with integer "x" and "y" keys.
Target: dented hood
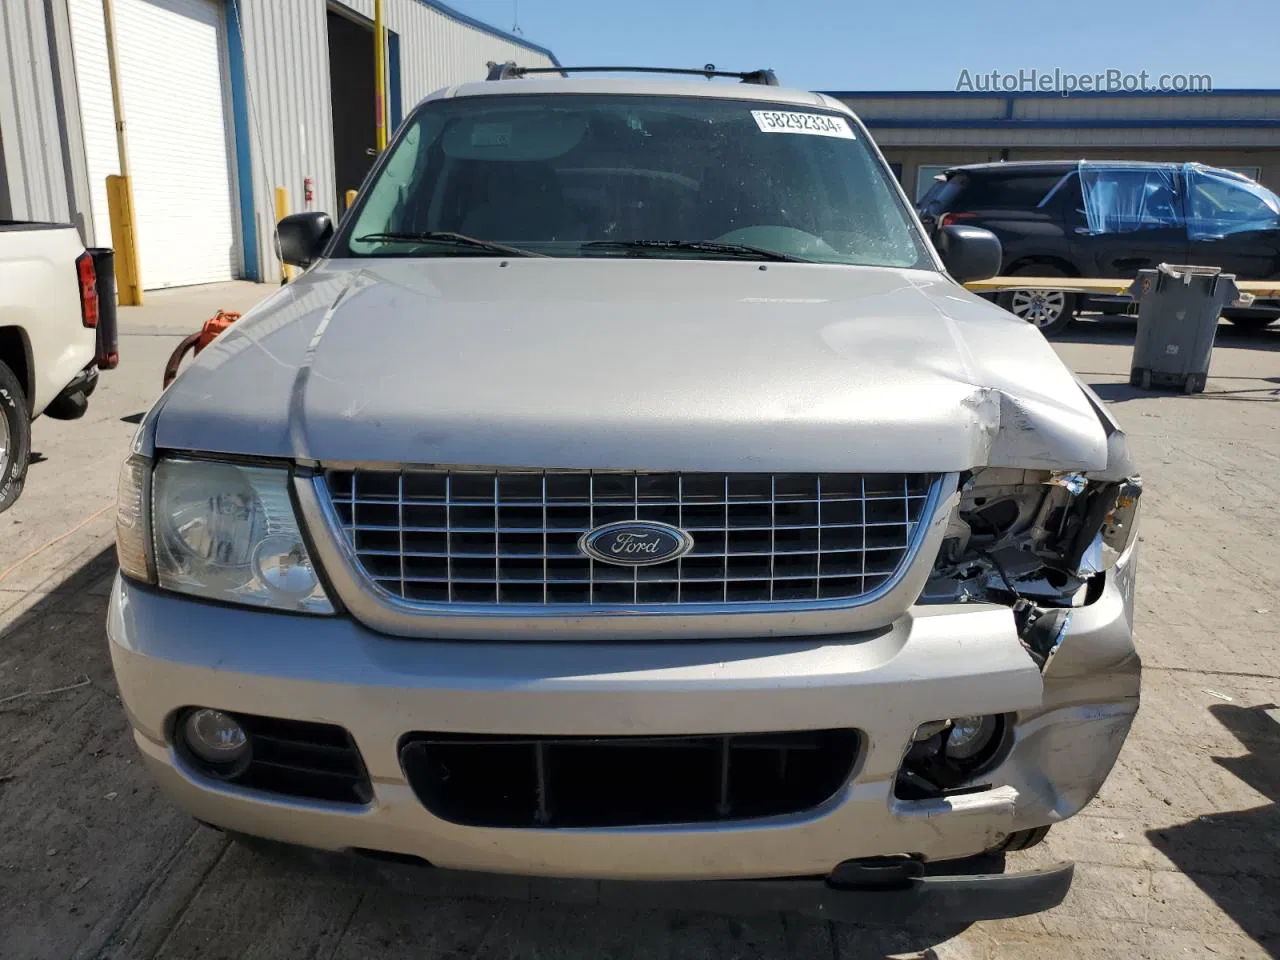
{"x": 629, "y": 363}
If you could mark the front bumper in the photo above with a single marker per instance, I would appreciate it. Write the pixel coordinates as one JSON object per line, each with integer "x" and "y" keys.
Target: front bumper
{"x": 933, "y": 662}
{"x": 850, "y": 896}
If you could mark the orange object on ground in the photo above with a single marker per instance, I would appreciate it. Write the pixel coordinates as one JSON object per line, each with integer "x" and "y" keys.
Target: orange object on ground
{"x": 198, "y": 341}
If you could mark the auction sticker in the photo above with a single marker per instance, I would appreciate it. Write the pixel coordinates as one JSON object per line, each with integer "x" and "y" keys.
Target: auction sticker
{"x": 814, "y": 124}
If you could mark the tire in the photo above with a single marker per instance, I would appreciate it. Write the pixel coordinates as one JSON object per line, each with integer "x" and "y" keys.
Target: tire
{"x": 1144, "y": 380}
{"x": 1050, "y": 311}
{"x": 1022, "y": 840}
{"x": 1251, "y": 324}
{"x": 1194, "y": 383}
{"x": 1135, "y": 377}
{"x": 15, "y": 437}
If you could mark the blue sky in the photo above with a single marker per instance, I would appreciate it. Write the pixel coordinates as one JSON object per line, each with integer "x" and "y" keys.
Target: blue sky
{"x": 861, "y": 45}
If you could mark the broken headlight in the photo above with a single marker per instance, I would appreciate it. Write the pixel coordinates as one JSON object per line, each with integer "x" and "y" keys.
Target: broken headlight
{"x": 1032, "y": 535}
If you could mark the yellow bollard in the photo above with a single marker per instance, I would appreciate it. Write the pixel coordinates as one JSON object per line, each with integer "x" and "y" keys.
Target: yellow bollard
{"x": 379, "y": 77}
{"x": 124, "y": 235}
{"x": 351, "y": 198}
{"x": 282, "y": 211}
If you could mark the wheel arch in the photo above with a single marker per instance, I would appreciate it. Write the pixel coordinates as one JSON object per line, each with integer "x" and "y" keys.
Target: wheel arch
{"x": 15, "y": 353}
{"x": 1047, "y": 259}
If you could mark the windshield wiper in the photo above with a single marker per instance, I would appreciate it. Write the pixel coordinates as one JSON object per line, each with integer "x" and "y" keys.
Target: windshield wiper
{"x": 703, "y": 246}
{"x": 447, "y": 236}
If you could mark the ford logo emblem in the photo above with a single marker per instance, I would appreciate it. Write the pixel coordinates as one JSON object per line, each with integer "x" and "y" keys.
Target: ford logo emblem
{"x": 635, "y": 543}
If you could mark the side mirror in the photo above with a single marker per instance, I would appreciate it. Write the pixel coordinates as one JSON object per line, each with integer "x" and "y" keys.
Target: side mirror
{"x": 302, "y": 236}
{"x": 970, "y": 253}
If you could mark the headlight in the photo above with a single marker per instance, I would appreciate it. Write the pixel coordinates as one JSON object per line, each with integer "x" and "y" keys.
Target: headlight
{"x": 228, "y": 532}
{"x": 131, "y": 519}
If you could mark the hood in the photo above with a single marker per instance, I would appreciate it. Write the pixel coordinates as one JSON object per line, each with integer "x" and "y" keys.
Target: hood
{"x": 633, "y": 364}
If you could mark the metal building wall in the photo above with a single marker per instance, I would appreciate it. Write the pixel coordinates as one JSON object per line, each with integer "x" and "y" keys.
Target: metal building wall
{"x": 286, "y": 73}
{"x": 286, "y": 68}
{"x": 1234, "y": 128}
{"x": 439, "y": 47}
{"x": 33, "y": 176}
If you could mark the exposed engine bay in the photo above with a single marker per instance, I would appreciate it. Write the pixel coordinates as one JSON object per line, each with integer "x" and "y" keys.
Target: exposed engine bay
{"x": 1034, "y": 540}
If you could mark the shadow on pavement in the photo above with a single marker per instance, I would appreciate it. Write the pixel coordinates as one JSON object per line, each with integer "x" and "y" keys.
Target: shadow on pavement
{"x": 1113, "y": 392}
{"x": 104, "y": 866}
{"x": 1121, "y": 330}
{"x": 1233, "y": 857}
{"x": 647, "y": 907}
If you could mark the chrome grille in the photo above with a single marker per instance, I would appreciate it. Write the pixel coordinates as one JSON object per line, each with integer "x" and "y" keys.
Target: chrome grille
{"x": 436, "y": 536}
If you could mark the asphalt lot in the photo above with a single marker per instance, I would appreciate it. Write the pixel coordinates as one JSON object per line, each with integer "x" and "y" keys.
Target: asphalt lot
{"x": 1178, "y": 857}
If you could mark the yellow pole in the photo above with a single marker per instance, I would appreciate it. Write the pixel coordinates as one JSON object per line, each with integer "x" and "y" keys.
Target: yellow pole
{"x": 351, "y": 198}
{"x": 282, "y": 211}
{"x": 124, "y": 227}
{"x": 380, "y": 75}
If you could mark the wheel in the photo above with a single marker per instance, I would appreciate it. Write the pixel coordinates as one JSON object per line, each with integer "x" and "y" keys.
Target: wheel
{"x": 1051, "y": 311}
{"x": 1021, "y": 840}
{"x": 1135, "y": 377}
{"x": 1251, "y": 324}
{"x": 1145, "y": 381}
{"x": 1194, "y": 383}
{"x": 15, "y": 437}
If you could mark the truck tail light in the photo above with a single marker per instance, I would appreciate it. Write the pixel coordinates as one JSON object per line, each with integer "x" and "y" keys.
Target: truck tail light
{"x": 88, "y": 289}
{"x": 948, "y": 219}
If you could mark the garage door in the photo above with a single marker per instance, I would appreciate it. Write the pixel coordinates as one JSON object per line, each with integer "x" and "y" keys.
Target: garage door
{"x": 170, "y": 55}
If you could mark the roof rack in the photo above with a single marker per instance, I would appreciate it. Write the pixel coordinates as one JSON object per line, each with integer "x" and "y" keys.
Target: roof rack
{"x": 509, "y": 71}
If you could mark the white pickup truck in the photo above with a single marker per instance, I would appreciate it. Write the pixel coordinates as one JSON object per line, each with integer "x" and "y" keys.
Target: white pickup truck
{"x": 57, "y": 330}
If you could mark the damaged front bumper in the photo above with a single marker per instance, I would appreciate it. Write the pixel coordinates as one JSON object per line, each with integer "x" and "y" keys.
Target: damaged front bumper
{"x": 882, "y": 890}
{"x": 1065, "y": 727}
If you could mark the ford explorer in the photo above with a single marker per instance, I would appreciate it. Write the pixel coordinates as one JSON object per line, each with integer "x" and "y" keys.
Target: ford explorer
{"x": 629, "y": 490}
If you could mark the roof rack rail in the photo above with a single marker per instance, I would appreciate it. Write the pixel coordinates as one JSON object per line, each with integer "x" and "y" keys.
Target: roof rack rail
{"x": 509, "y": 71}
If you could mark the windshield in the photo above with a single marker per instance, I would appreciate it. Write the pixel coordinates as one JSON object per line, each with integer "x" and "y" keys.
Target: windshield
{"x": 619, "y": 176}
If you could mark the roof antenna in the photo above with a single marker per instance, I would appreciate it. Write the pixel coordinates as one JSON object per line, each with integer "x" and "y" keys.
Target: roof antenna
{"x": 515, "y": 27}
{"x": 710, "y": 68}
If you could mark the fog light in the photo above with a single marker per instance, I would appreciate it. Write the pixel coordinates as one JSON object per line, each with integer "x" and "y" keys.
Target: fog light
{"x": 215, "y": 737}
{"x": 970, "y": 736}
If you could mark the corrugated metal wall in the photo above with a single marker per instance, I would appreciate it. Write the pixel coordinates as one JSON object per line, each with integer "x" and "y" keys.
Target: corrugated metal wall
{"x": 286, "y": 65}
{"x": 437, "y": 50}
{"x": 33, "y": 176}
{"x": 287, "y": 74}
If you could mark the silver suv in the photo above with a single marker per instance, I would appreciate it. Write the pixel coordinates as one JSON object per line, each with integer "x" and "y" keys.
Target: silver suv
{"x": 628, "y": 490}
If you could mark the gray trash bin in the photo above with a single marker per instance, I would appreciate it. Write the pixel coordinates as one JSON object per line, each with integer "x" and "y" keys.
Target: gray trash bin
{"x": 1178, "y": 308}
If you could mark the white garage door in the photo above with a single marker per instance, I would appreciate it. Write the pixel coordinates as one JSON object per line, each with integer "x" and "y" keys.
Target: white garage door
{"x": 171, "y": 78}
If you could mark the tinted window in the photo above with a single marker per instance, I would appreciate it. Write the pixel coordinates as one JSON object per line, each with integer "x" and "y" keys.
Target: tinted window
{"x": 942, "y": 194}
{"x": 571, "y": 175}
{"x": 1068, "y": 200}
{"x": 1004, "y": 192}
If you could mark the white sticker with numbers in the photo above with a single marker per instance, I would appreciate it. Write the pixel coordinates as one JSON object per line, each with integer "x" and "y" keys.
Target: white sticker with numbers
{"x": 814, "y": 124}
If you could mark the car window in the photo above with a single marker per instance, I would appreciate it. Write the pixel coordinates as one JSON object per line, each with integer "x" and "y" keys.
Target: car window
{"x": 1220, "y": 204}
{"x": 570, "y": 175}
{"x": 1008, "y": 191}
{"x": 1124, "y": 199}
{"x": 942, "y": 195}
